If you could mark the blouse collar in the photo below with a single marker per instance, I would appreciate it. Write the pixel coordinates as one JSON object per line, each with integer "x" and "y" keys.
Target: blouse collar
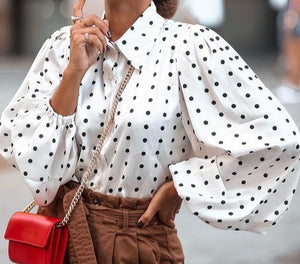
{"x": 137, "y": 42}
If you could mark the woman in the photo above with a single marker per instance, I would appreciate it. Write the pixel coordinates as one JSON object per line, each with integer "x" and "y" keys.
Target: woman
{"x": 194, "y": 123}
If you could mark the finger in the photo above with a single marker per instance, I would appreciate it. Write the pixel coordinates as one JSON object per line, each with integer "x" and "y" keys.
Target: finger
{"x": 96, "y": 31}
{"x": 152, "y": 209}
{"x": 79, "y": 37}
{"x": 78, "y": 24}
{"x": 94, "y": 40}
{"x": 77, "y": 8}
{"x": 105, "y": 21}
{"x": 101, "y": 24}
{"x": 100, "y": 35}
{"x": 91, "y": 20}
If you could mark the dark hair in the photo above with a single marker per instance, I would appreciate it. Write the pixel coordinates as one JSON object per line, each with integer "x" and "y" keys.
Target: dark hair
{"x": 166, "y": 8}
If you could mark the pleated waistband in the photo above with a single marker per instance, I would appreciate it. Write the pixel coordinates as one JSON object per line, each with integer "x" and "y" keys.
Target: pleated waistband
{"x": 115, "y": 202}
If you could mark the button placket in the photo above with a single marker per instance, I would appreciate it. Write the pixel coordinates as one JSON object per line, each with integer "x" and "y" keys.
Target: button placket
{"x": 110, "y": 88}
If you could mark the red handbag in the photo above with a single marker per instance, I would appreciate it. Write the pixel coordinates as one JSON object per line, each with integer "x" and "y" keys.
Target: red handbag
{"x": 36, "y": 239}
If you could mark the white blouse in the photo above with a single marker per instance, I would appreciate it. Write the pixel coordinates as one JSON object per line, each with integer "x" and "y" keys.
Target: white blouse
{"x": 193, "y": 112}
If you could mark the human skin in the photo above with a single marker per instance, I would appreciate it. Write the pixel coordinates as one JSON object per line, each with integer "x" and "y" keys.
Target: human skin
{"x": 119, "y": 16}
{"x": 291, "y": 44}
{"x": 291, "y": 49}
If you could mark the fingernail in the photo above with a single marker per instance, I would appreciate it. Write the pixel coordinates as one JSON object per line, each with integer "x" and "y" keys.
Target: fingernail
{"x": 108, "y": 34}
{"x": 140, "y": 224}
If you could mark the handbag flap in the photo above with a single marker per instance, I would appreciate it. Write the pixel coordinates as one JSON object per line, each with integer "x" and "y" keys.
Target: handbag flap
{"x": 30, "y": 228}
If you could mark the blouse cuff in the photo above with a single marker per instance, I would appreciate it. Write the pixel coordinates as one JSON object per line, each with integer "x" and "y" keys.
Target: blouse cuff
{"x": 196, "y": 176}
{"x": 61, "y": 118}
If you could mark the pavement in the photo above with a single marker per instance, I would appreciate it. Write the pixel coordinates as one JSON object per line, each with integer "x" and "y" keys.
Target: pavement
{"x": 202, "y": 243}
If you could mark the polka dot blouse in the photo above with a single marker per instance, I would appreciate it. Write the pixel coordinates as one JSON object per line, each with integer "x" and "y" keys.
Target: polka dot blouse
{"x": 193, "y": 112}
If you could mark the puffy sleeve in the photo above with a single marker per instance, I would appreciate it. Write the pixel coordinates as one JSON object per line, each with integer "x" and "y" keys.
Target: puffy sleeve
{"x": 244, "y": 165}
{"x": 36, "y": 140}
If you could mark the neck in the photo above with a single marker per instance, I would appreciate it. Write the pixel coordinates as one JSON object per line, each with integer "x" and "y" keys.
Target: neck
{"x": 122, "y": 14}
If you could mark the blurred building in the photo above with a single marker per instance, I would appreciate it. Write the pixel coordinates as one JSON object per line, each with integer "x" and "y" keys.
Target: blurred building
{"x": 24, "y": 25}
{"x": 5, "y": 27}
{"x": 250, "y": 25}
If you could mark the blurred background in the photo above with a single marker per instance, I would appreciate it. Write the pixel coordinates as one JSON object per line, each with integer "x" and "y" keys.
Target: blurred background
{"x": 257, "y": 29}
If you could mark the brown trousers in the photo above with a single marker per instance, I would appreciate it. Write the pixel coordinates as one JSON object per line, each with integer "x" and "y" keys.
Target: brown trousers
{"x": 103, "y": 230}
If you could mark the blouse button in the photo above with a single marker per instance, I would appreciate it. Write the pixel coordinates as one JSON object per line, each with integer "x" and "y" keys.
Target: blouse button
{"x": 96, "y": 201}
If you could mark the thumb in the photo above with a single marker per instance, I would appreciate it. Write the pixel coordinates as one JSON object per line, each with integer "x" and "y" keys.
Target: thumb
{"x": 148, "y": 214}
{"x": 77, "y": 8}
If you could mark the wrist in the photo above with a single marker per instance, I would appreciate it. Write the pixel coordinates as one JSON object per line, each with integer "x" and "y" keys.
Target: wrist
{"x": 74, "y": 74}
{"x": 172, "y": 190}
{"x": 64, "y": 100}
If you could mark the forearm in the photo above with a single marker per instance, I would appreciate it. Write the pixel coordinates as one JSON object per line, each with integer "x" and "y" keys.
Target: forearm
{"x": 65, "y": 98}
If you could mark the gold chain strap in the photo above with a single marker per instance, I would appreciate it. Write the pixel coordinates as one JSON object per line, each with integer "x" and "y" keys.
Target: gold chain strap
{"x": 95, "y": 155}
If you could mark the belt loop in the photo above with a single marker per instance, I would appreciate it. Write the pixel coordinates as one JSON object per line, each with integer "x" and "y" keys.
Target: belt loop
{"x": 125, "y": 218}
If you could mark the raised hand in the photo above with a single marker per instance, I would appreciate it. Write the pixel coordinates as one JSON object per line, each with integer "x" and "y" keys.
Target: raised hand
{"x": 87, "y": 39}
